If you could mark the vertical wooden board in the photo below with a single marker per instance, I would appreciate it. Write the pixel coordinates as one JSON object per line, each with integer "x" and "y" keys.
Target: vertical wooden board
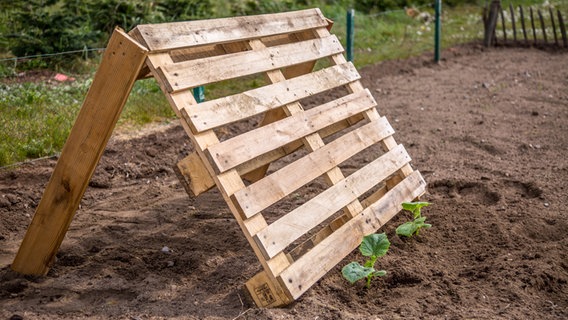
{"x": 194, "y": 174}
{"x": 122, "y": 61}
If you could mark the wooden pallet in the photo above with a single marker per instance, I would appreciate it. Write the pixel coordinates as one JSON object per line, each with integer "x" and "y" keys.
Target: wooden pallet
{"x": 297, "y": 248}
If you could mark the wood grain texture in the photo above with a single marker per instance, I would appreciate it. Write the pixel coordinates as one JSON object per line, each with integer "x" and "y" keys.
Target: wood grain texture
{"x": 122, "y": 61}
{"x": 226, "y": 110}
{"x": 307, "y": 270}
{"x": 193, "y": 73}
{"x": 232, "y": 152}
{"x": 278, "y": 235}
{"x": 178, "y": 35}
{"x": 283, "y": 182}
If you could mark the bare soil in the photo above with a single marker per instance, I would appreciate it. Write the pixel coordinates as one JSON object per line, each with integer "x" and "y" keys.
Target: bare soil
{"x": 487, "y": 128}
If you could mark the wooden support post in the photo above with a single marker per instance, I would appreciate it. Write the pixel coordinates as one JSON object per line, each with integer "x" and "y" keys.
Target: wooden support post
{"x": 562, "y": 29}
{"x": 491, "y": 23}
{"x": 503, "y": 26}
{"x": 532, "y": 24}
{"x": 553, "y": 25}
{"x": 543, "y": 27}
{"x": 122, "y": 61}
{"x": 513, "y": 22}
{"x": 523, "y": 24}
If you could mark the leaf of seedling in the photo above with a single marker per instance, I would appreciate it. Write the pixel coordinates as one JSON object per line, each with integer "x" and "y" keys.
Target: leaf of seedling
{"x": 374, "y": 245}
{"x": 354, "y": 272}
{"x": 406, "y": 229}
{"x": 414, "y": 207}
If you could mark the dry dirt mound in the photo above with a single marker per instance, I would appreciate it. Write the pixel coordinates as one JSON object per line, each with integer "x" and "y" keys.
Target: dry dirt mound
{"x": 486, "y": 128}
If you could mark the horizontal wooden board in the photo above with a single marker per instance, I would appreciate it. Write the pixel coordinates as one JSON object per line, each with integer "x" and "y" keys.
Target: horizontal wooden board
{"x": 309, "y": 268}
{"x": 281, "y": 183}
{"x": 232, "y": 152}
{"x": 189, "y": 74}
{"x": 177, "y": 35}
{"x": 222, "y": 111}
{"x": 281, "y": 233}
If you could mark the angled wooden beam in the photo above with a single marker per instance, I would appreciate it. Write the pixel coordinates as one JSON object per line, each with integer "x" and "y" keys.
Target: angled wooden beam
{"x": 121, "y": 64}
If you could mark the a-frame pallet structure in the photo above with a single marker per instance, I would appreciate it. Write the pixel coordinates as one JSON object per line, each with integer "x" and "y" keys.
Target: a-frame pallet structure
{"x": 295, "y": 249}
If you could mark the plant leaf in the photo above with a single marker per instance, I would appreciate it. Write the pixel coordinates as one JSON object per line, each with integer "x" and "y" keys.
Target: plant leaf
{"x": 375, "y": 245}
{"x": 380, "y": 273}
{"x": 406, "y": 229}
{"x": 354, "y": 272}
{"x": 414, "y": 207}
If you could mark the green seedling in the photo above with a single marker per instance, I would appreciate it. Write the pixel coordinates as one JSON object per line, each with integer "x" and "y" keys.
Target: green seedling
{"x": 373, "y": 246}
{"x": 411, "y": 228}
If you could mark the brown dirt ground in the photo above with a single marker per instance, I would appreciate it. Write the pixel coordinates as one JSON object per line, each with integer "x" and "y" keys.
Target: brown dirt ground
{"x": 488, "y": 130}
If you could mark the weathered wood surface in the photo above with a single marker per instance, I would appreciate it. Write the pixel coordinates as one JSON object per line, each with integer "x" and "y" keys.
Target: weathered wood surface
{"x": 308, "y": 269}
{"x": 278, "y": 235}
{"x": 283, "y": 182}
{"x": 193, "y": 73}
{"x": 232, "y": 152}
{"x": 219, "y": 112}
{"x": 122, "y": 61}
{"x": 178, "y": 35}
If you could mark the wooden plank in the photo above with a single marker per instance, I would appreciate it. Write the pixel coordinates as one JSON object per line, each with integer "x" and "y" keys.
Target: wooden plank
{"x": 215, "y": 113}
{"x": 562, "y": 28}
{"x": 532, "y": 24}
{"x": 122, "y": 61}
{"x": 189, "y": 74}
{"x": 491, "y": 23}
{"x": 542, "y": 26}
{"x": 194, "y": 174}
{"x": 281, "y": 233}
{"x": 513, "y": 22}
{"x": 307, "y": 270}
{"x": 176, "y": 35}
{"x": 260, "y": 195}
{"x": 523, "y": 24}
{"x": 553, "y": 25}
{"x": 232, "y": 152}
{"x": 503, "y": 25}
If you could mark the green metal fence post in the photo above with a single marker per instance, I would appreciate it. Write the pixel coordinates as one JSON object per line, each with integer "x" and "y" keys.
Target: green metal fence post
{"x": 199, "y": 94}
{"x": 438, "y": 31}
{"x": 350, "y": 33}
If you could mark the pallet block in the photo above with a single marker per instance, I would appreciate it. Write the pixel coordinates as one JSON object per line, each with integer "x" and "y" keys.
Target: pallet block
{"x": 297, "y": 248}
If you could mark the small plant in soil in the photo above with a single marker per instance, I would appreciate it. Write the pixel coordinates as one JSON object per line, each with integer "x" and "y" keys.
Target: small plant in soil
{"x": 411, "y": 228}
{"x": 373, "y": 246}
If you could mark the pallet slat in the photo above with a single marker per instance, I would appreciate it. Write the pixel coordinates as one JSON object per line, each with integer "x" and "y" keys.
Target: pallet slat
{"x": 178, "y": 35}
{"x": 281, "y": 233}
{"x": 189, "y": 74}
{"x": 307, "y": 270}
{"x": 215, "y": 113}
{"x": 232, "y": 152}
{"x": 283, "y": 182}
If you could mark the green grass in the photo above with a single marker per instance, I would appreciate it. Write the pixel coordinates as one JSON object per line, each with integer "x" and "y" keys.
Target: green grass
{"x": 37, "y": 117}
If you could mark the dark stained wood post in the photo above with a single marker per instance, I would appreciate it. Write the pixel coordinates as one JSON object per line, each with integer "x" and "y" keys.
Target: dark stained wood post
{"x": 523, "y": 24}
{"x": 491, "y": 23}
{"x": 503, "y": 26}
{"x": 532, "y": 24}
{"x": 553, "y": 25}
{"x": 562, "y": 29}
{"x": 542, "y": 26}
{"x": 513, "y": 22}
